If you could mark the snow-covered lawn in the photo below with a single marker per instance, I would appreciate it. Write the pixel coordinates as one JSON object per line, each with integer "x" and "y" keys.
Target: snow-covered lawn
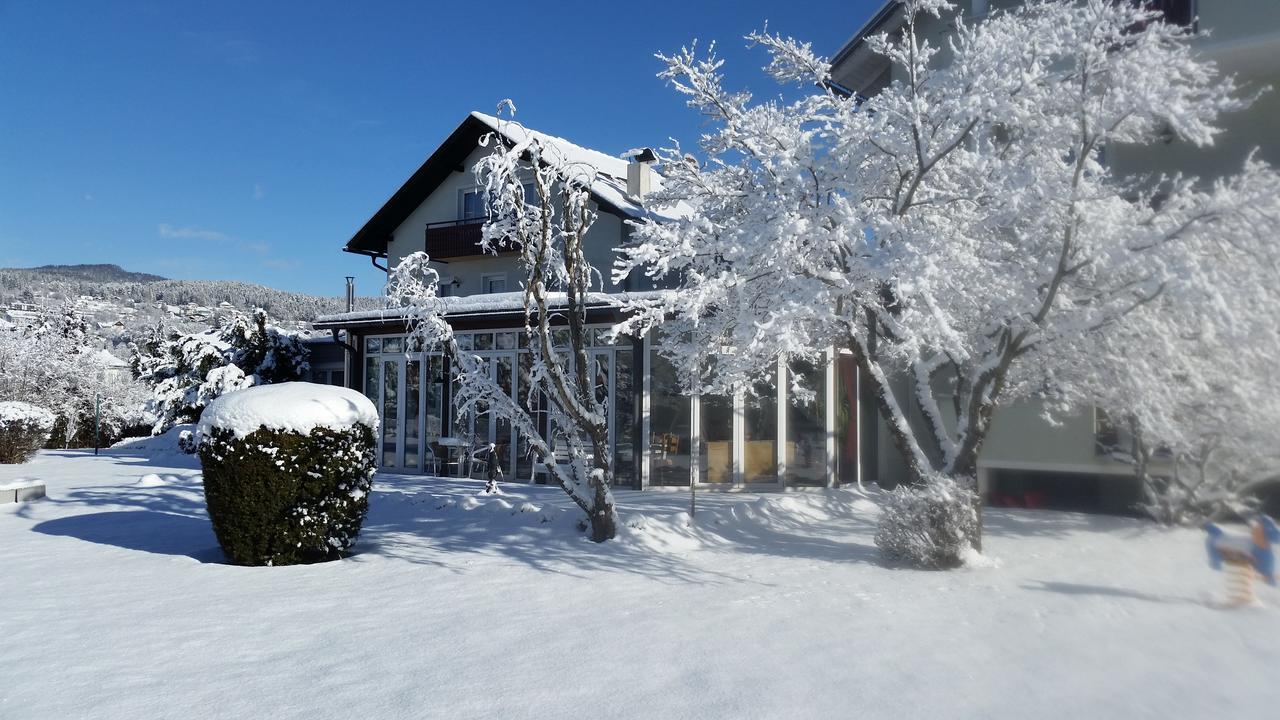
{"x": 116, "y": 605}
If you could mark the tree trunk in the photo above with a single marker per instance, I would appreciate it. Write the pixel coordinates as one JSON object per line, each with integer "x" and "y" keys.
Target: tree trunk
{"x": 604, "y": 519}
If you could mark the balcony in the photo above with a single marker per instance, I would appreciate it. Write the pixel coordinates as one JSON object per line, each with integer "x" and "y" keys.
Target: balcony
{"x": 1176, "y": 12}
{"x": 456, "y": 238}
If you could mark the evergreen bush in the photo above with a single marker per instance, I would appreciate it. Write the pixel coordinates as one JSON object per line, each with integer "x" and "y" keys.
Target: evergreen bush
{"x": 280, "y": 497}
{"x": 24, "y": 429}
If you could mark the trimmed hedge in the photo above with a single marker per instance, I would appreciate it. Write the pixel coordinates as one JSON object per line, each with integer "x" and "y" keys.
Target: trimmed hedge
{"x": 24, "y": 429}
{"x": 283, "y": 498}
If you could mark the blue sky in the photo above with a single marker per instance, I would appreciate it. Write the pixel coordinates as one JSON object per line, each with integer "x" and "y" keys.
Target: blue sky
{"x": 249, "y": 140}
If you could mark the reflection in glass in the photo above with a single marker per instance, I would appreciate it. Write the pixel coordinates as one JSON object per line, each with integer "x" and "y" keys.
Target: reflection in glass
{"x": 715, "y": 462}
{"x": 390, "y": 414}
{"x": 847, "y": 428}
{"x": 371, "y": 380}
{"x": 624, "y": 417}
{"x": 806, "y": 428}
{"x": 760, "y": 455}
{"x": 669, "y": 426}
{"x": 524, "y": 457}
{"x": 412, "y": 413}
{"x": 502, "y": 433}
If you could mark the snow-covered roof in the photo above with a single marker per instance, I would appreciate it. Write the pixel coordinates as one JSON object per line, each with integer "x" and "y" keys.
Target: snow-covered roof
{"x": 609, "y": 188}
{"x": 611, "y": 172}
{"x": 106, "y": 359}
{"x": 494, "y": 303}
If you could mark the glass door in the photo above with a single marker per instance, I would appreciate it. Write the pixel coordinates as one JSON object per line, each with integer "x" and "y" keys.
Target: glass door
{"x": 504, "y": 369}
{"x": 392, "y": 451}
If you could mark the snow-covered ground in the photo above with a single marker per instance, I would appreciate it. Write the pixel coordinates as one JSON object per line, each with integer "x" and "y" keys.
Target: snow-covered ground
{"x": 116, "y": 604}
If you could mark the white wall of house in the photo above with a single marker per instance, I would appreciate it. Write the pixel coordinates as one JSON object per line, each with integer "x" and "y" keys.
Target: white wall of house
{"x": 444, "y": 205}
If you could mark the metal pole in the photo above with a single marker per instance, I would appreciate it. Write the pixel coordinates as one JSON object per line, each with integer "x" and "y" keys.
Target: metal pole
{"x": 97, "y": 412}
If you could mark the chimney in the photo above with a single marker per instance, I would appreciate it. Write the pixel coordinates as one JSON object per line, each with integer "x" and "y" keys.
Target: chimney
{"x": 640, "y": 172}
{"x": 351, "y": 293}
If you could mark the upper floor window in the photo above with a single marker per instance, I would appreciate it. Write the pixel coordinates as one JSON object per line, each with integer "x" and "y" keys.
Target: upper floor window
{"x": 490, "y": 284}
{"x": 1176, "y": 12}
{"x": 473, "y": 204}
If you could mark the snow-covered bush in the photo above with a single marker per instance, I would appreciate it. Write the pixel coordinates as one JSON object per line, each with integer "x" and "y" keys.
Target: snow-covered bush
{"x": 930, "y": 525}
{"x": 24, "y": 428}
{"x": 287, "y": 471}
{"x": 187, "y": 372}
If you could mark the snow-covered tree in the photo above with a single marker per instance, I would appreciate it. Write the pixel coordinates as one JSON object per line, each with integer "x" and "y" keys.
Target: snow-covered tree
{"x": 186, "y": 372}
{"x": 1187, "y": 382}
{"x": 53, "y": 365}
{"x": 547, "y": 227}
{"x": 960, "y": 230}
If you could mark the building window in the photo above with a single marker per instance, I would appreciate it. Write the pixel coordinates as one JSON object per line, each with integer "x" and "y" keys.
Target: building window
{"x": 1176, "y": 12}
{"x": 472, "y": 205}
{"x": 490, "y": 284}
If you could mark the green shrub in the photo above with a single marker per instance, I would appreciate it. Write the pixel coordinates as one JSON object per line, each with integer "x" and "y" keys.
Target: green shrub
{"x": 282, "y": 497}
{"x": 931, "y": 525}
{"x": 24, "y": 429}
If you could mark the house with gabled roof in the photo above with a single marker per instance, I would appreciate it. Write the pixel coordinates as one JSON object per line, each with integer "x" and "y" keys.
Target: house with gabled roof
{"x": 661, "y": 437}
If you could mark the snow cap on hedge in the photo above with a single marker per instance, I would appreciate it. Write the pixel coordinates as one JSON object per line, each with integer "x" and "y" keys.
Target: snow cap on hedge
{"x": 15, "y": 411}
{"x": 293, "y": 406}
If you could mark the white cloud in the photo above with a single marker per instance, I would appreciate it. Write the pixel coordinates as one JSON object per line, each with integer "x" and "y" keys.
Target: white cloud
{"x": 178, "y": 232}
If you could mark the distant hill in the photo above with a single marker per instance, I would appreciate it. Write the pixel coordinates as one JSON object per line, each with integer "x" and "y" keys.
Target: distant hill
{"x": 118, "y": 292}
{"x": 96, "y": 273}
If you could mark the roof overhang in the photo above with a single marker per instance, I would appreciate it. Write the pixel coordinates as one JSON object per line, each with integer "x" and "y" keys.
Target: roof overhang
{"x": 855, "y": 66}
{"x": 480, "y": 308}
{"x": 448, "y": 158}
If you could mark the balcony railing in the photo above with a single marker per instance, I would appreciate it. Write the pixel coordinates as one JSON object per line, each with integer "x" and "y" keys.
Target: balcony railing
{"x": 456, "y": 238}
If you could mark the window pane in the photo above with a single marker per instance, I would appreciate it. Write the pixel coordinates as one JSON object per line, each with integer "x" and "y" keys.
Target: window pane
{"x": 624, "y": 418}
{"x": 435, "y": 397}
{"x": 371, "y": 380}
{"x": 373, "y": 345}
{"x": 412, "y": 386}
{"x": 669, "y": 425}
{"x": 464, "y": 341}
{"x": 761, "y": 427}
{"x": 505, "y": 340}
{"x": 484, "y": 341}
{"x": 393, "y": 345}
{"x": 502, "y": 437}
{"x": 390, "y": 414}
{"x": 847, "y": 426}
{"x": 716, "y": 459}
{"x": 806, "y": 429}
{"x": 473, "y": 205}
